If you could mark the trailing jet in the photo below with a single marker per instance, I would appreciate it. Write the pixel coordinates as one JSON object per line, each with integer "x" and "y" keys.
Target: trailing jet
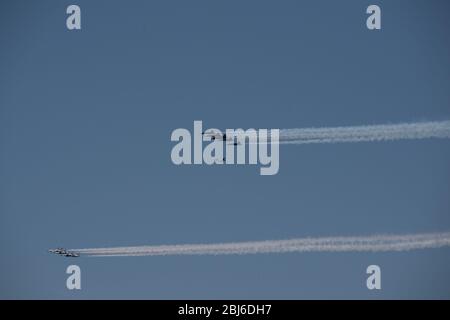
{"x": 64, "y": 252}
{"x": 58, "y": 251}
{"x": 72, "y": 254}
{"x": 214, "y": 134}
{"x": 218, "y": 135}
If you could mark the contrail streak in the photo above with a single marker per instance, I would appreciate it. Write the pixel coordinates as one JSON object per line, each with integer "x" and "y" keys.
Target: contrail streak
{"x": 415, "y": 130}
{"x": 375, "y": 243}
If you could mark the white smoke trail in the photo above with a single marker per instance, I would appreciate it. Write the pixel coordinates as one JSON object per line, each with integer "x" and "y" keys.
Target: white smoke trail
{"x": 324, "y": 244}
{"x": 417, "y": 130}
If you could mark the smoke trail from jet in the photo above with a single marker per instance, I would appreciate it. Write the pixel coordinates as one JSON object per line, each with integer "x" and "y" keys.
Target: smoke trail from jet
{"x": 417, "y": 130}
{"x": 377, "y": 243}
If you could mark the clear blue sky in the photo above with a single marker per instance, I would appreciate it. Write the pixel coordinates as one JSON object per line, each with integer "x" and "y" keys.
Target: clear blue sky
{"x": 86, "y": 118}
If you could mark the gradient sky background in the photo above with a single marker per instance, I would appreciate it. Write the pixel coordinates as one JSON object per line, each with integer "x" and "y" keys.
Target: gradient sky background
{"x": 86, "y": 118}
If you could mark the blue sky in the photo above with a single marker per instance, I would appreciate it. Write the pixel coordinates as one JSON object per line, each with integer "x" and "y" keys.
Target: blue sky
{"x": 86, "y": 118}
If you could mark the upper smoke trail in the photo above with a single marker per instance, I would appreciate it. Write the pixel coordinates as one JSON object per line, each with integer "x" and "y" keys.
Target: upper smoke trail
{"x": 324, "y": 244}
{"x": 417, "y": 130}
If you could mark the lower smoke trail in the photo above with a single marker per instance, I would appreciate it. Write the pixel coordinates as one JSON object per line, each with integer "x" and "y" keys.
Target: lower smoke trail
{"x": 417, "y": 130}
{"x": 324, "y": 244}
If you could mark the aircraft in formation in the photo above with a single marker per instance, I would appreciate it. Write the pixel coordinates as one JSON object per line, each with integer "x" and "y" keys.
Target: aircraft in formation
{"x": 217, "y": 135}
{"x": 64, "y": 252}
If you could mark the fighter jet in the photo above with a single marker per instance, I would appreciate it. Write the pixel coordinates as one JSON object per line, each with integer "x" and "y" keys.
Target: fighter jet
{"x": 217, "y": 135}
{"x": 213, "y": 135}
{"x": 72, "y": 254}
{"x": 60, "y": 251}
{"x": 64, "y": 252}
